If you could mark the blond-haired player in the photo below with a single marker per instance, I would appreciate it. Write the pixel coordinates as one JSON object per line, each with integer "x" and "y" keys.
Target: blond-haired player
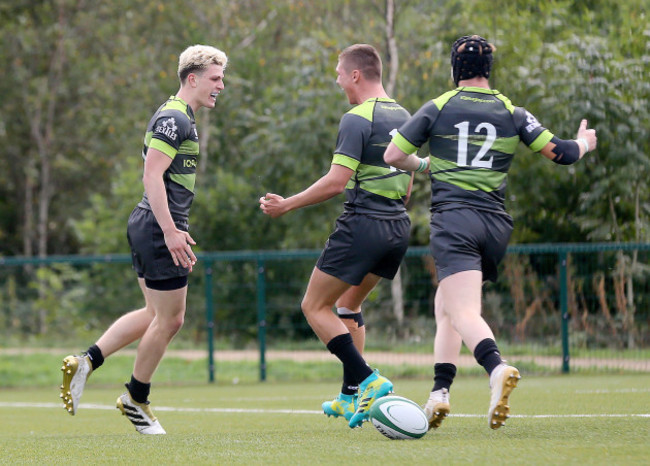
{"x": 160, "y": 243}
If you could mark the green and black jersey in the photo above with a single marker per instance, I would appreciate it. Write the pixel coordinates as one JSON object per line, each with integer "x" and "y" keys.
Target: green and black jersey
{"x": 172, "y": 131}
{"x": 473, "y": 133}
{"x": 365, "y": 131}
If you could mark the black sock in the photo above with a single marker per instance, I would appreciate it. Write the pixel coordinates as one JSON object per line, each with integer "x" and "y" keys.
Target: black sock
{"x": 95, "y": 355}
{"x": 443, "y": 375}
{"x": 349, "y": 387}
{"x": 343, "y": 348}
{"x": 139, "y": 391}
{"x": 487, "y": 354}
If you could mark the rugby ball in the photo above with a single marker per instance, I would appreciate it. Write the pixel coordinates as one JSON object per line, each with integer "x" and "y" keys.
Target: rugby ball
{"x": 398, "y": 418}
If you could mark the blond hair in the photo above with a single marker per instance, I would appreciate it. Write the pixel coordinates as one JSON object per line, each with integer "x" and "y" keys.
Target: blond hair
{"x": 196, "y": 58}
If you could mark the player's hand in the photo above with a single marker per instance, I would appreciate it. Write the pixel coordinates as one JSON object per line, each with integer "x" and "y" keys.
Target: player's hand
{"x": 180, "y": 243}
{"x": 272, "y": 205}
{"x": 588, "y": 134}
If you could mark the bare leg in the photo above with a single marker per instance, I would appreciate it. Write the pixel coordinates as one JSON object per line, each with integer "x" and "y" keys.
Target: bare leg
{"x": 322, "y": 292}
{"x": 448, "y": 342}
{"x": 170, "y": 313}
{"x": 128, "y": 328}
{"x": 461, "y": 295}
{"x": 352, "y": 299}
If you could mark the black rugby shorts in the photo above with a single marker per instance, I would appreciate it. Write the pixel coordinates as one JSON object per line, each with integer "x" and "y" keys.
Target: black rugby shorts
{"x": 361, "y": 244}
{"x": 151, "y": 258}
{"x": 468, "y": 239}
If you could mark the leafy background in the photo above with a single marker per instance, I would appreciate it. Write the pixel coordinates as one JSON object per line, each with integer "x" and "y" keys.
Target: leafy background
{"x": 81, "y": 78}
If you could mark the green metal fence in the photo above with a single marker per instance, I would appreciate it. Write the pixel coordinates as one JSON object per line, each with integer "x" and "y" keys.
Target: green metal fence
{"x": 555, "y": 306}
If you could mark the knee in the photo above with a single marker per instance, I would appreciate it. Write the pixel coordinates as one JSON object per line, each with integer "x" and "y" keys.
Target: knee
{"x": 306, "y": 306}
{"x": 173, "y": 324}
{"x": 177, "y": 323}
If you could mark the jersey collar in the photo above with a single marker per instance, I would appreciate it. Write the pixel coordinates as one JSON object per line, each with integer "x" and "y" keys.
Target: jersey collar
{"x": 480, "y": 90}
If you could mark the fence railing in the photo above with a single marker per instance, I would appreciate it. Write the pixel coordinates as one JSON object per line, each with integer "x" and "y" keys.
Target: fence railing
{"x": 596, "y": 293}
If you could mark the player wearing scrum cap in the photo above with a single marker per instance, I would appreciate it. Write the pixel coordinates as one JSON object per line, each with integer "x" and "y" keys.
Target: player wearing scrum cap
{"x": 160, "y": 243}
{"x": 473, "y": 132}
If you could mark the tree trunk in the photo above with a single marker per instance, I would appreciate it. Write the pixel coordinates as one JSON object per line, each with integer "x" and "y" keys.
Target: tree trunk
{"x": 42, "y": 124}
{"x": 393, "y": 54}
{"x": 393, "y": 64}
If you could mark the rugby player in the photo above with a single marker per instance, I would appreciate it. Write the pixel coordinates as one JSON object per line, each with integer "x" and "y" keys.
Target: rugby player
{"x": 473, "y": 132}
{"x": 160, "y": 243}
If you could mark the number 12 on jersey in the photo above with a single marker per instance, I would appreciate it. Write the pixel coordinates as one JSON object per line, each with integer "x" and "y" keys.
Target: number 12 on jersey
{"x": 463, "y": 141}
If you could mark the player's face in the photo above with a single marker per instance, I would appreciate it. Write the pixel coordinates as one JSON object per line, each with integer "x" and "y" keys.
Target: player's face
{"x": 208, "y": 85}
{"x": 344, "y": 80}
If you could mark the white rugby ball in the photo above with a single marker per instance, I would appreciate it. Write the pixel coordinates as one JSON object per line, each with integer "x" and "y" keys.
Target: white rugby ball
{"x": 398, "y": 418}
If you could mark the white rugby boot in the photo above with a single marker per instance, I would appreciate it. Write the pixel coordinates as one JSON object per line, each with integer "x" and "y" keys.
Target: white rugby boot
{"x": 437, "y": 407}
{"x": 503, "y": 381}
{"x": 140, "y": 415}
{"x": 76, "y": 370}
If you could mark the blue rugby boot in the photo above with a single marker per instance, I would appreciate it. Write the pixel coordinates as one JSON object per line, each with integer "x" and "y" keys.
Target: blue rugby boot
{"x": 373, "y": 387}
{"x": 343, "y": 405}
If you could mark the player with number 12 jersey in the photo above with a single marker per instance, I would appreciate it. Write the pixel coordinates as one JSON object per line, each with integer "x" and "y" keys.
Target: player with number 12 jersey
{"x": 473, "y": 133}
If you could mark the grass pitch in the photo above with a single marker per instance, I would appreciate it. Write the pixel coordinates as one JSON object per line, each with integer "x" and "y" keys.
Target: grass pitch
{"x": 576, "y": 419}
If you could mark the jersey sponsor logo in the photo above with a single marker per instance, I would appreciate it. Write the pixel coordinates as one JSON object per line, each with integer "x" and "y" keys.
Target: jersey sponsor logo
{"x": 532, "y": 122}
{"x": 390, "y": 107}
{"x": 477, "y": 100}
{"x": 189, "y": 163}
{"x": 168, "y": 128}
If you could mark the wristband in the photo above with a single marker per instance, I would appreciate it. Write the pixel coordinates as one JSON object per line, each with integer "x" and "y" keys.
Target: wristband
{"x": 584, "y": 141}
{"x": 423, "y": 165}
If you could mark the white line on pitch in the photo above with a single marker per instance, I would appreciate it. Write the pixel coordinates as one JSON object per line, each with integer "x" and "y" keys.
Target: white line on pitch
{"x": 618, "y": 390}
{"x": 4, "y": 404}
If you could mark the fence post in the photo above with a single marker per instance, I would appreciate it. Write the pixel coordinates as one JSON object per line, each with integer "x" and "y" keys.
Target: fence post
{"x": 564, "y": 309}
{"x": 261, "y": 316}
{"x": 209, "y": 318}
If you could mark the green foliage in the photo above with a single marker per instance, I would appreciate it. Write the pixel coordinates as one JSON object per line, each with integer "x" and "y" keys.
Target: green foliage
{"x": 82, "y": 78}
{"x": 275, "y": 125}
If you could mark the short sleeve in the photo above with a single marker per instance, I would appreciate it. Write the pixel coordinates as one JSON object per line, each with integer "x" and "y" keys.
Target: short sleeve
{"x": 169, "y": 131}
{"x": 531, "y": 132}
{"x": 417, "y": 130}
{"x": 354, "y": 132}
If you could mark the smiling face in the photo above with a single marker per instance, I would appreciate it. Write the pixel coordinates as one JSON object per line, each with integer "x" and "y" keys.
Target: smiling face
{"x": 346, "y": 81}
{"x": 206, "y": 86}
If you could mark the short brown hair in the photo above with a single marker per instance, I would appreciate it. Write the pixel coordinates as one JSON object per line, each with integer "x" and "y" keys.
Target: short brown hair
{"x": 362, "y": 57}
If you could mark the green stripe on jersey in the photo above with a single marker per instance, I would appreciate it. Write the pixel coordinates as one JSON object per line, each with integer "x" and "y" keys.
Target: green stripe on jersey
{"x": 469, "y": 179}
{"x": 506, "y": 102}
{"x": 444, "y": 98}
{"x": 541, "y": 140}
{"x": 344, "y": 160}
{"x": 163, "y": 147}
{"x": 371, "y": 171}
{"x": 403, "y": 145}
{"x": 503, "y": 145}
{"x": 189, "y": 147}
{"x": 393, "y": 187}
{"x": 364, "y": 110}
{"x": 185, "y": 180}
{"x": 176, "y": 103}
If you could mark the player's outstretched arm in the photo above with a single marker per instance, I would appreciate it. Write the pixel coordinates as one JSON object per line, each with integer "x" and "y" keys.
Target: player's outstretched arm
{"x": 325, "y": 188}
{"x": 566, "y": 152}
